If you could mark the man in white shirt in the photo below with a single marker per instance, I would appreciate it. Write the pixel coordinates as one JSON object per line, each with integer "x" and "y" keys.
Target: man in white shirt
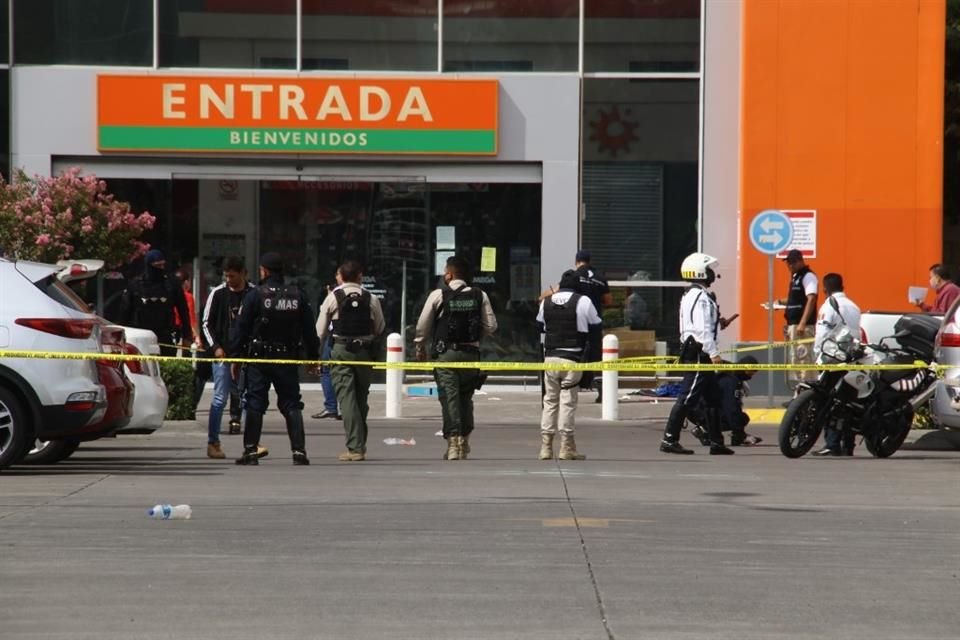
{"x": 837, "y": 313}
{"x": 567, "y": 319}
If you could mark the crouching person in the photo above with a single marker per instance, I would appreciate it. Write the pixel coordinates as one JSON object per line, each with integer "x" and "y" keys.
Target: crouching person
{"x": 566, "y": 319}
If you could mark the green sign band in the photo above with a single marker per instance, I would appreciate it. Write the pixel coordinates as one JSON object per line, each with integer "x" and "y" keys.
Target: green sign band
{"x": 126, "y": 138}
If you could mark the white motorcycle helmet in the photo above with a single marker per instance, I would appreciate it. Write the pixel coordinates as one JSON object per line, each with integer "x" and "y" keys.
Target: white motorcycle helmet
{"x": 699, "y": 267}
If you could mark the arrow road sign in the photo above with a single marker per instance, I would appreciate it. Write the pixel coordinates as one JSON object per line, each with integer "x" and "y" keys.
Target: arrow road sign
{"x": 771, "y": 231}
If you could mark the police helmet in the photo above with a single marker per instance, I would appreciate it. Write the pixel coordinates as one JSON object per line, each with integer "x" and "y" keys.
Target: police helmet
{"x": 699, "y": 266}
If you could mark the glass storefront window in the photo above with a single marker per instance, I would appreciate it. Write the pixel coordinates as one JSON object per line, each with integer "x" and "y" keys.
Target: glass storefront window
{"x": 5, "y": 124}
{"x": 640, "y": 154}
{"x": 370, "y": 35}
{"x": 510, "y": 35}
{"x": 316, "y": 225}
{"x": 4, "y": 31}
{"x": 641, "y": 35}
{"x": 93, "y": 32}
{"x": 254, "y": 34}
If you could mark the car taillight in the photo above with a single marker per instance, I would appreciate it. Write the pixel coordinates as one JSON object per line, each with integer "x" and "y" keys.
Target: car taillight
{"x": 949, "y": 336}
{"x": 82, "y": 401}
{"x": 63, "y": 327}
{"x": 135, "y": 366}
{"x": 113, "y": 340}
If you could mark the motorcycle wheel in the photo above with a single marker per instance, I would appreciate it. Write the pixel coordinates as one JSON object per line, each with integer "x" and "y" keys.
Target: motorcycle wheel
{"x": 801, "y": 424}
{"x": 886, "y": 443}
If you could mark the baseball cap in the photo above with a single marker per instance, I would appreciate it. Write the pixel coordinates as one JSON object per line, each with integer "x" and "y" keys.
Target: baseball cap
{"x": 583, "y": 256}
{"x": 793, "y": 255}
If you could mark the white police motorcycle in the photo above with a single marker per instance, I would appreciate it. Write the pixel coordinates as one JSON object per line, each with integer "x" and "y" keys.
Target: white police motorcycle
{"x": 876, "y": 404}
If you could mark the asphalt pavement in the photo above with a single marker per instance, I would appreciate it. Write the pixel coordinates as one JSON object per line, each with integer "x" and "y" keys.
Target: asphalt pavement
{"x": 628, "y": 544}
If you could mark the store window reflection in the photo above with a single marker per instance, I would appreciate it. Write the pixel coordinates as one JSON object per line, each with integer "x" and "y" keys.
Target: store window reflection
{"x": 641, "y": 35}
{"x": 253, "y": 34}
{"x": 102, "y": 32}
{"x": 4, "y": 31}
{"x": 409, "y": 227}
{"x": 640, "y": 143}
{"x": 5, "y": 124}
{"x": 400, "y": 35}
{"x": 510, "y": 35}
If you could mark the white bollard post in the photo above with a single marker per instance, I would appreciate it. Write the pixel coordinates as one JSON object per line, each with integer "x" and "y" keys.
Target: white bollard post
{"x": 394, "y": 376}
{"x": 611, "y": 380}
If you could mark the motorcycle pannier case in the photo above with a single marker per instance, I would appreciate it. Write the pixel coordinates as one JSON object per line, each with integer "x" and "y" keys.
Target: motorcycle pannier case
{"x": 923, "y": 331}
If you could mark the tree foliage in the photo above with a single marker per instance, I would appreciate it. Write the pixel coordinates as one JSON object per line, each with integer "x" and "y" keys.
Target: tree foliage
{"x": 47, "y": 219}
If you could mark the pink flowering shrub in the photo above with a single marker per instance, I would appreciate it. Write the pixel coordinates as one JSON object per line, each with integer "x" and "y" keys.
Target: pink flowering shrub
{"x": 68, "y": 216}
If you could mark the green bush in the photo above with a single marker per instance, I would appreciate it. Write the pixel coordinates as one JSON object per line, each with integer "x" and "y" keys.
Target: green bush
{"x": 178, "y": 376}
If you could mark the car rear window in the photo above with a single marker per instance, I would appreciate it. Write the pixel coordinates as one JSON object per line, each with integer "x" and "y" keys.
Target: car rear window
{"x": 62, "y": 294}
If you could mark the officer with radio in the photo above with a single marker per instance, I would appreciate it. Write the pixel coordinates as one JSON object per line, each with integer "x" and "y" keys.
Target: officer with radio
{"x": 700, "y": 322}
{"x": 357, "y": 323}
{"x": 456, "y": 316}
{"x": 274, "y": 322}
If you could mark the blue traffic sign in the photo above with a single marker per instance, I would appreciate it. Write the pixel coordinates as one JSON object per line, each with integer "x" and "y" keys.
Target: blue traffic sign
{"x": 771, "y": 231}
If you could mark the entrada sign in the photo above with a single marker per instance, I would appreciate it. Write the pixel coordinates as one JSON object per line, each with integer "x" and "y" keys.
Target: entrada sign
{"x": 296, "y": 115}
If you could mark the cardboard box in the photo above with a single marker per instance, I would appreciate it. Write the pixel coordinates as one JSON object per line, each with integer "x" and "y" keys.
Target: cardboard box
{"x": 634, "y": 343}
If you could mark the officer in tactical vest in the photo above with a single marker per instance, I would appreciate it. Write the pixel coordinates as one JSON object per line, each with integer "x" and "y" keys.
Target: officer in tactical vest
{"x": 566, "y": 318}
{"x": 800, "y": 314}
{"x": 456, "y": 316}
{"x": 150, "y": 300}
{"x": 274, "y": 321}
{"x": 358, "y": 323}
{"x": 700, "y": 322}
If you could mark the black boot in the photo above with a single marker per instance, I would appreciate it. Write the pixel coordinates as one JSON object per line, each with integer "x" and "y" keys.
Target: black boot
{"x": 294, "y": 418}
{"x": 249, "y": 457}
{"x": 674, "y": 447}
{"x": 717, "y": 448}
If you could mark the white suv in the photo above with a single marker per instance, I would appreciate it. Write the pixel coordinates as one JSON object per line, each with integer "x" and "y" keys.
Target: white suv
{"x": 50, "y": 399}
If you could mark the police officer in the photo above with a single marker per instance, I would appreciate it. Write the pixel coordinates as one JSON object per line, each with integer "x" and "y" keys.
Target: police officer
{"x": 150, "y": 300}
{"x": 274, "y": 320}
{"x": 593, "y": 285}
{"x": 456, "y": 316}
{"x": 700, "y": 322}
{"x": 800, "y": 314}
{"x": 357, "y": 321}
{"x": 733, "y": 387}
{"x": 565, "y": 318}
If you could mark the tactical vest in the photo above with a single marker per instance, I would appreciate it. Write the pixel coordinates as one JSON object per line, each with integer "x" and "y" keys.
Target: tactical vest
{"x": 353, "y": 314}
{"x": 796, "y": 298}
{"x": 460, "y": 319}
{"x": 560, "y": 322}
{"x": 279, "y": 319}
{"x": 155, "y": 307}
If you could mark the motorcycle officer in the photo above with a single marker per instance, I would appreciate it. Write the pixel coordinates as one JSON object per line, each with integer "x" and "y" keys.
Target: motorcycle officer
{"x": 274, "y": 320}
{"x": 700, "y": 322}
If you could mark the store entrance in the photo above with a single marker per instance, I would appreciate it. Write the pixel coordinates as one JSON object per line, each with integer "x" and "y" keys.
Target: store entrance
{"x": 396, "y": 226}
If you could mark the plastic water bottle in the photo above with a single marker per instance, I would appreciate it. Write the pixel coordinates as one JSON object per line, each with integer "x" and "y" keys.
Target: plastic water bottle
{"x": 170, "y": 512}
{"x": 392, "y": 441}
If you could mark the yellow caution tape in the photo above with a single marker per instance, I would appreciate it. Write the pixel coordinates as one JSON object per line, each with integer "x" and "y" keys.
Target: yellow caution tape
{"x": 610, "y": 365}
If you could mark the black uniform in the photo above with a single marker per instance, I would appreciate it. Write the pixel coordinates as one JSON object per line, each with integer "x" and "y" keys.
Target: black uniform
{"x": 149, "y": 303}
{"x": 274, "y": 321}
{"x": 592, "y": 284}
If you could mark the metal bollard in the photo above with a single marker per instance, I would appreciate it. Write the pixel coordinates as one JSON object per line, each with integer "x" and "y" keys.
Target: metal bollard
{"x": 610, "y": 409}
{"x": 394, "y": 376}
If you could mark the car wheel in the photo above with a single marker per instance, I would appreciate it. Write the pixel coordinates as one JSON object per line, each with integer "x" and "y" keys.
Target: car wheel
{"x": 14, "y": 429}
{"x": 50, "y": 451}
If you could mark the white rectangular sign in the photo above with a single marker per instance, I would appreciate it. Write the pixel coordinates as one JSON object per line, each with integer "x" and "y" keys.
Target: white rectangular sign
{"x": 804, "y": 223}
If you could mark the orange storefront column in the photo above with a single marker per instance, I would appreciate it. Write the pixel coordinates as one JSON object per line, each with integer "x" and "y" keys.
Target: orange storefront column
{"x": 842, "y": 112}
